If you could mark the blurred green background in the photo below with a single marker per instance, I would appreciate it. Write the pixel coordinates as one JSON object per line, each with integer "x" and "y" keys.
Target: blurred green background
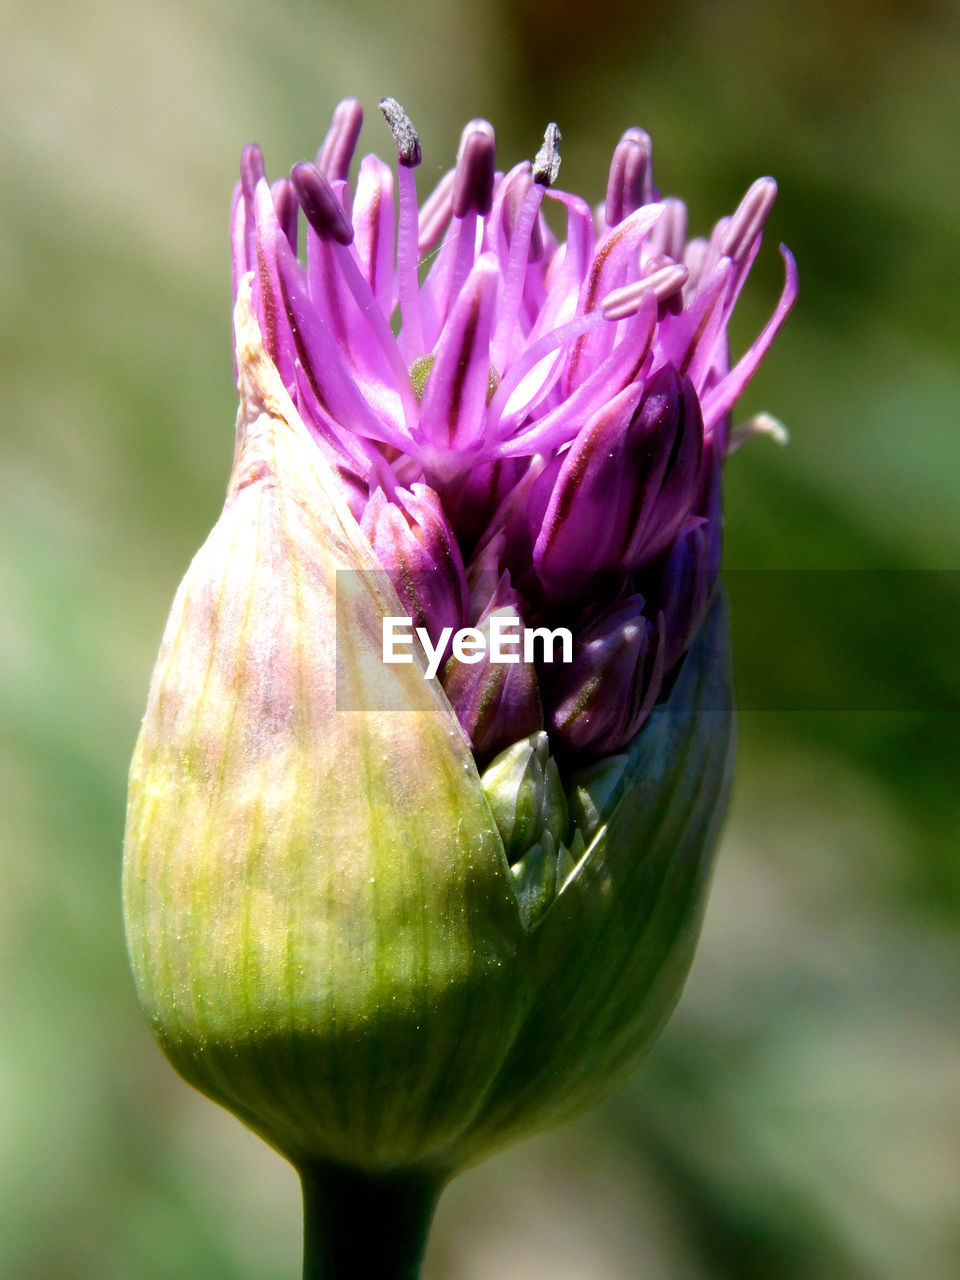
{"x": 800, "y": 1118}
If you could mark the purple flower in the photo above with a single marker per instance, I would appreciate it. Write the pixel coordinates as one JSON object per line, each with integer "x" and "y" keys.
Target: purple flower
{"x": 553, "y": 415}
{"x": 394, "y": 924}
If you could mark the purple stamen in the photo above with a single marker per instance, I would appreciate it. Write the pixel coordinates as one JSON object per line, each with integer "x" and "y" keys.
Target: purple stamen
{"x": 669, "y": 236}
{"x": 320, "y": 205}
{"x": 404, "y": 134}
{"x": 721, "y": 399}
{"x": 473, "y": 176}
{"x": 465, "y": 253}
{"x": 623, "y": 366}
{"x": 694, "y": 257}
{"x": 288, "y": 209}
{"x": 514, "y": 203}
{"x": 747, "y": 223}
{"x": 472, "y": 195}
{"x": 377, "y": 322}
{"x": 662, "y": 283}
{"x": 515, "y": 275}
{"x": 612, "y": 266}
{"x": 408, "y": 261}
{"x": 532, "y": 356}
{"x": 408, "y": 251}
{"x": 630, "y": 184}
{"x": 340, "y": 143}
{"x": 435, "y": 212}
{"x": 453, "y": 409}
{"x": 693, "y": 335}
{"x": 251, "y": 168}
{"x": 251, "y": 171}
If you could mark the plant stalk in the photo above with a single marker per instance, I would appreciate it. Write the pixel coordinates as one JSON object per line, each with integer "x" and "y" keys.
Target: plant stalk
{"x": 357, "y": 1223}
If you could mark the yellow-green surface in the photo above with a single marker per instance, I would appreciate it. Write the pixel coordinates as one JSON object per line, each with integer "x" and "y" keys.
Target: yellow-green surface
{"x": 801, "y": 1115}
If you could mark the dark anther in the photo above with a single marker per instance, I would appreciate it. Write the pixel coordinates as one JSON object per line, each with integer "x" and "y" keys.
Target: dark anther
{"x": 319, "y": 204}
{"x": 546, "y": 163}
{"x": 476, "y": 161}
{"x": 404, "y": 134}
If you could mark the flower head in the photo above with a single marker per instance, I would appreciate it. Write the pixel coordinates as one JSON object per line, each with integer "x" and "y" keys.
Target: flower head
{"x": 550, "y": 416}
{"x": 392, "y": 940}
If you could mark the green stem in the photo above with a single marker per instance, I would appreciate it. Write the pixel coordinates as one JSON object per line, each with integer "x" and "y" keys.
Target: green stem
{"x": 357, "y": 1223}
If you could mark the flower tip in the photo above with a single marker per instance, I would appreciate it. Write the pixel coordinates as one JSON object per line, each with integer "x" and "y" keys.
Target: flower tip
{"x": 790, "y": 263}
{"x": 791, "y": 283}
{"x": 404, "y": 133}
{"x": 287, "y": 206}
{"x": 340, "y": 143}
{"x": 474, "y": 174}
{"x": 630, "y": 182}
{"x": 749, "y": 219}
{"x": 251, "y": 168}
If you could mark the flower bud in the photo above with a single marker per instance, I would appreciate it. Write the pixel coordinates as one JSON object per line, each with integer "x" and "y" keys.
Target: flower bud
{"x": 381, "y": 962}
{"x": 412, "y": 539}
{"x": 599, "y": 701}
{"x": 496, "y": 702}
{"x": 624, "y": 488}
{"x": 541, "y": 874}
{"x": 525, "y": 795}
{"x": 321, "y": 917}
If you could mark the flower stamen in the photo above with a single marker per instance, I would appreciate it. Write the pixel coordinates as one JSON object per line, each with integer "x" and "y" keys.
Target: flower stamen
{"x": 288, "y": 209}
{"x": 544, "y": 171}
{"x": 336, "y": 151}
{"x": 319, "y": 203}
{"x": 473, "y": 177}
{"x": 748, "y": 220}
{"x": 408, "y": 250}
{"x": 471, "y": 198}
{"x": 662, "y": 283}
{"x": 629, "y": 185}
{"x": 435, "y": 212}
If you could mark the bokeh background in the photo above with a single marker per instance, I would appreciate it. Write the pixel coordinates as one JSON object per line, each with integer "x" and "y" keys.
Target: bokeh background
{"x": 800, "y": 1118}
